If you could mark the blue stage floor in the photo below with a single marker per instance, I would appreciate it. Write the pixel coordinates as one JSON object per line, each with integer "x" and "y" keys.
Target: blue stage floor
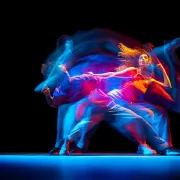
{"x": 88, "y": 166}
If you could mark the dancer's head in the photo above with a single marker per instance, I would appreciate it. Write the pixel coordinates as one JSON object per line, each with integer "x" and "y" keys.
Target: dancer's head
{"x": 143, "y": 60}
{"x": 136, "y": 57}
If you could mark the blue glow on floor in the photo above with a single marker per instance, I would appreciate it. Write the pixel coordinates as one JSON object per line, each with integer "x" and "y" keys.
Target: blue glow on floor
{"x": 96, "y": 166}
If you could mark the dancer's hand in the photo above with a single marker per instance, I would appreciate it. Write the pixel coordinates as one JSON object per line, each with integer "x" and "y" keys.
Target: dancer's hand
{"x": 46, "y": 91}
{"x": 63, "y": 68}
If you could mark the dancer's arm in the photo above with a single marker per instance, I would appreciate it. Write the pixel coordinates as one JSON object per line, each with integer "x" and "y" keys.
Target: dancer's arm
{"x": 167, "y": 82}
{"x": 49, "y": 98}
{"x": 54, "y": 101}
{"x": 111, "y": 74}
{"x": 63, "y": 68}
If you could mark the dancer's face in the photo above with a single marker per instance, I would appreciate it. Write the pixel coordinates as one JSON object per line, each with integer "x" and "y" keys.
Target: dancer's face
{"x": 143, "y": 60}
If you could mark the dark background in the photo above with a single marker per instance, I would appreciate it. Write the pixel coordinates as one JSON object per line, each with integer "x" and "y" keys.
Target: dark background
{"x": 35, "y": 129}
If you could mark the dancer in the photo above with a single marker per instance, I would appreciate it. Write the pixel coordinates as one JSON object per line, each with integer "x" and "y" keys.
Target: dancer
{"x": 63, "y": 105}
{"x": 158, "y": 117}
